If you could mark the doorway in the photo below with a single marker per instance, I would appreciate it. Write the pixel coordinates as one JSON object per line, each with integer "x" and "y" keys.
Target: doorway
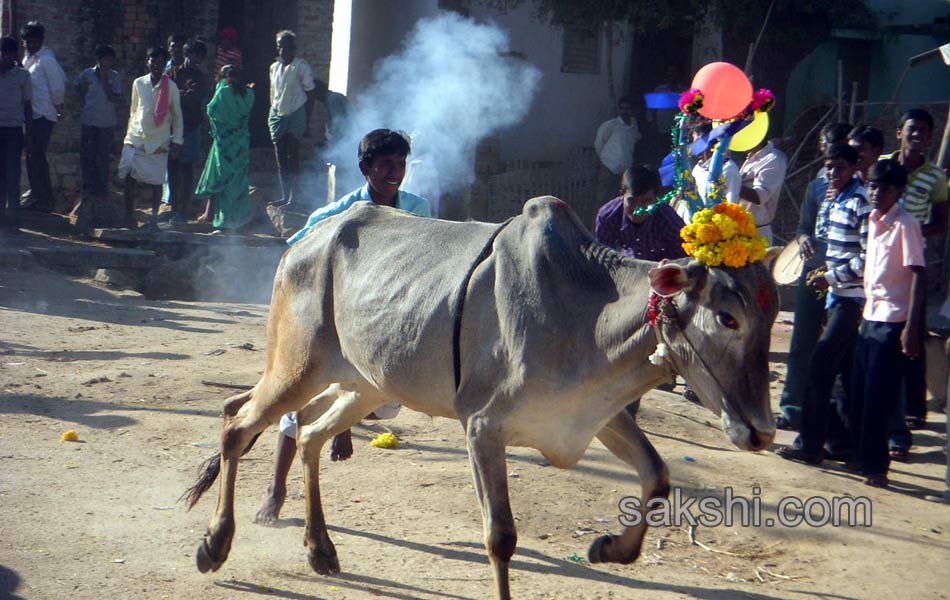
{"x": 257, "y": 22}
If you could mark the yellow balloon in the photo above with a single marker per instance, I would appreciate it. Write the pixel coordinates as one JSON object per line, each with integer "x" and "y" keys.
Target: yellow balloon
{"x": 750, "y": 135}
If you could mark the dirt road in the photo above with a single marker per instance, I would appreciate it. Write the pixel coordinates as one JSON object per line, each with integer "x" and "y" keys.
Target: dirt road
{"x": 98, "y": 518}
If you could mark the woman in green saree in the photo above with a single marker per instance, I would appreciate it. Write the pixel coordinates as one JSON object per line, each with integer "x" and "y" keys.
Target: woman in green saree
{"x": 224, "y": 178}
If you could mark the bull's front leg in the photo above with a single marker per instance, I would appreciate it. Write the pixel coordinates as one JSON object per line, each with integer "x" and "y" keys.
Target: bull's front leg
{"x": 486, "y": 451}
{"x": 624, "y": 438}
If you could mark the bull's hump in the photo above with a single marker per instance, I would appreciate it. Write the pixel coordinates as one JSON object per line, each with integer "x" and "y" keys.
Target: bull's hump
{"x": 544, "y": 207}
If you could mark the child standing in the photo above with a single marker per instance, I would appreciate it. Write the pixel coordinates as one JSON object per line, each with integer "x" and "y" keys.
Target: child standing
{"x": 842, "y": 222}
{"x": 890, "y": 338}
{"x": 99, "y": 88}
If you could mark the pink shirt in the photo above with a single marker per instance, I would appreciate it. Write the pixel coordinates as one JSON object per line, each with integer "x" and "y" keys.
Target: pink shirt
{"x": 895, "y": 244}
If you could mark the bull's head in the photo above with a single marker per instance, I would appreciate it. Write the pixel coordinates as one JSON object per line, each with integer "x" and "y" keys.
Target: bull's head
{"x": 718, "y": 339}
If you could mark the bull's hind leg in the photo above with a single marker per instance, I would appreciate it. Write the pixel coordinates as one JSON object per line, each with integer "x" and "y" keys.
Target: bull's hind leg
{"x": 486, "y": 451}
{"x": 624, "y": 438}
{"x": 335, "y": 410}
{"x": 246, "y": 416}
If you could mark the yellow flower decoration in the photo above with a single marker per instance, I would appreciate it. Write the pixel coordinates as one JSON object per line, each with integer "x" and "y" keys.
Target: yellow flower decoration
{"x": 707, "y": 233}
{"x": 726, "y": 226}
{"x": 723, "y": 235}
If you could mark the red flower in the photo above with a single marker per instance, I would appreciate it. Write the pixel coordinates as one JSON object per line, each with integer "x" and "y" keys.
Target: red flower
{"x": 691, "y": 101}
{"x": 763, "y": 100}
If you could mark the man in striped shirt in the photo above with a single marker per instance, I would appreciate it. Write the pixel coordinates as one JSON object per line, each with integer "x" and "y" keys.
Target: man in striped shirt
{"x": 846, "y": 221}
{"x": 925, "y": 196}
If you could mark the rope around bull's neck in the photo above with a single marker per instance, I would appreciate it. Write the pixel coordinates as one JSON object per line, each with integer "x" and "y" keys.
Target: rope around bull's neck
{"x": 670, "y": 315}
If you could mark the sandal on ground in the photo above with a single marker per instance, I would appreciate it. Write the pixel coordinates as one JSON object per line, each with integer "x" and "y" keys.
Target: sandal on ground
{"x": 899, "y": 454}
{"x": 798, "y": 455}
{"x": 878, "y": 481}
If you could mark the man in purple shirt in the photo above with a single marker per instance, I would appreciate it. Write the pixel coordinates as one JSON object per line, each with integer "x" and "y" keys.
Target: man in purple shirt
{"x": 652, "y": 236}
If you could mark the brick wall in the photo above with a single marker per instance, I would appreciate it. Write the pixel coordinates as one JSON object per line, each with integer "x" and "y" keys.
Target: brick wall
{"x": 74, "y": 28}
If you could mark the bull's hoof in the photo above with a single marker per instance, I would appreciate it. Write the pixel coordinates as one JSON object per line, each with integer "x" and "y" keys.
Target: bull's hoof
{"x": 324, "y": 563}
{"x": 341, "y": 448}
{"x": 205, "y": 558}
{"x": 595, "y": 552}
{"x": 602, "y": 551}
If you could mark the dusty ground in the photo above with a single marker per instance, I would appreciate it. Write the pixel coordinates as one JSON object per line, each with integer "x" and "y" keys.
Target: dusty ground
{"x": 99, "y": 519}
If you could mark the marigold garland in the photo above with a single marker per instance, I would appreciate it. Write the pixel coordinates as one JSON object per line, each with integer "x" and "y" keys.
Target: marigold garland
{"x": 724, "y": 234}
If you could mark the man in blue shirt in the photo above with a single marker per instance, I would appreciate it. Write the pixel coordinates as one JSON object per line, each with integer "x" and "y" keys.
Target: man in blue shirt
{"x": 383, "y": 155}
{"x": 98, "y": 86}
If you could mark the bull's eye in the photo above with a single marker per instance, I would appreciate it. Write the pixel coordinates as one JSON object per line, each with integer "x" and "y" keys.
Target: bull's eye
{"x": 727, "y": 320}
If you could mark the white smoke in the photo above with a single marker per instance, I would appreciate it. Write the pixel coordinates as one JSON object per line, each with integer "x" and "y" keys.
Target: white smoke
{"x": 449, "y": 87}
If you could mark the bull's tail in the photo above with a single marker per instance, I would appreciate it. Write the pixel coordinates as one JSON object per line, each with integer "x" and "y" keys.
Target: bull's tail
{"x": 208, "y": 473}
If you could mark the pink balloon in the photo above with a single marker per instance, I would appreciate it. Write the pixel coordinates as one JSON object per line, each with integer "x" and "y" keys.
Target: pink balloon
{"x": 726, "y": 90}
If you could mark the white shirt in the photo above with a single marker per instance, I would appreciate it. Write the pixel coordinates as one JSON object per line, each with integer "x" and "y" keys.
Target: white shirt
{"x": 142, "y": 129}
{"x": 701, "y": 176}
{"x": 764, "y": 171}
{"x": 615, "y": 142}
{"x": 48, "y": 81}
{"x": 289, "y": 85}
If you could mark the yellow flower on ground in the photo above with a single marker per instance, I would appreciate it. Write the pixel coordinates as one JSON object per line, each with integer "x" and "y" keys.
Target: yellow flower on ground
{"x": 385, "y": 440}
{"x": 70, "y": 435}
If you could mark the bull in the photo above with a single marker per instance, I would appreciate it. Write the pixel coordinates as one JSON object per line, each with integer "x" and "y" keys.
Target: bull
{"x": 530, "y": 333}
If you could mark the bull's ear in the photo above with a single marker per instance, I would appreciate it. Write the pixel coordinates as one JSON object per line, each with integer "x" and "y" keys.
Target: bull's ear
{"x": 667, "y": 279}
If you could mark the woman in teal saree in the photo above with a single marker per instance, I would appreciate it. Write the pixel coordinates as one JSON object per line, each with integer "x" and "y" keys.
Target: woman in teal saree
{"x": 224, "y": 178}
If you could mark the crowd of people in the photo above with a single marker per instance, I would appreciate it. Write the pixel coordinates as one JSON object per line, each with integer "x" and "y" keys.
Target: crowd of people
{"x": 855, "y": 385}
{"x": 171, "y": 108}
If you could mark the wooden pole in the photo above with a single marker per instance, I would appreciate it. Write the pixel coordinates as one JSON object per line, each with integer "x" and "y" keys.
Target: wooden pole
{"x": 839, "y": 92}
{"x": 611, "y": 91}
{"x": 758, "y": 38}
{"x": 852, "y": 113}
{"x": 942, "y": 157}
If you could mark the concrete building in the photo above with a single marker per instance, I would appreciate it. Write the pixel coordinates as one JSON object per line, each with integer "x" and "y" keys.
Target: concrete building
{"x": 550, "y": 151}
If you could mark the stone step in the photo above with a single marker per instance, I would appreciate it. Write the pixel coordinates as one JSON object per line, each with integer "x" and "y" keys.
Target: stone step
{"x": 15, "y": 257}
{"x": 143, "y": 236}
{"x": 93, "y": 256}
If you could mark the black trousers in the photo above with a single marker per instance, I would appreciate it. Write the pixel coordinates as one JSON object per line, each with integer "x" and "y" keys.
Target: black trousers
{"x": 11, "y": 151}
{"x": 879, "y": 366}
{"x": 37, "y": 167}
{"x": 833, "y": 356}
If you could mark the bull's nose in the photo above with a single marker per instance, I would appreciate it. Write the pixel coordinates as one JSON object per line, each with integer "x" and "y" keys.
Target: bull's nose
{"x": 760, "y": 439}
